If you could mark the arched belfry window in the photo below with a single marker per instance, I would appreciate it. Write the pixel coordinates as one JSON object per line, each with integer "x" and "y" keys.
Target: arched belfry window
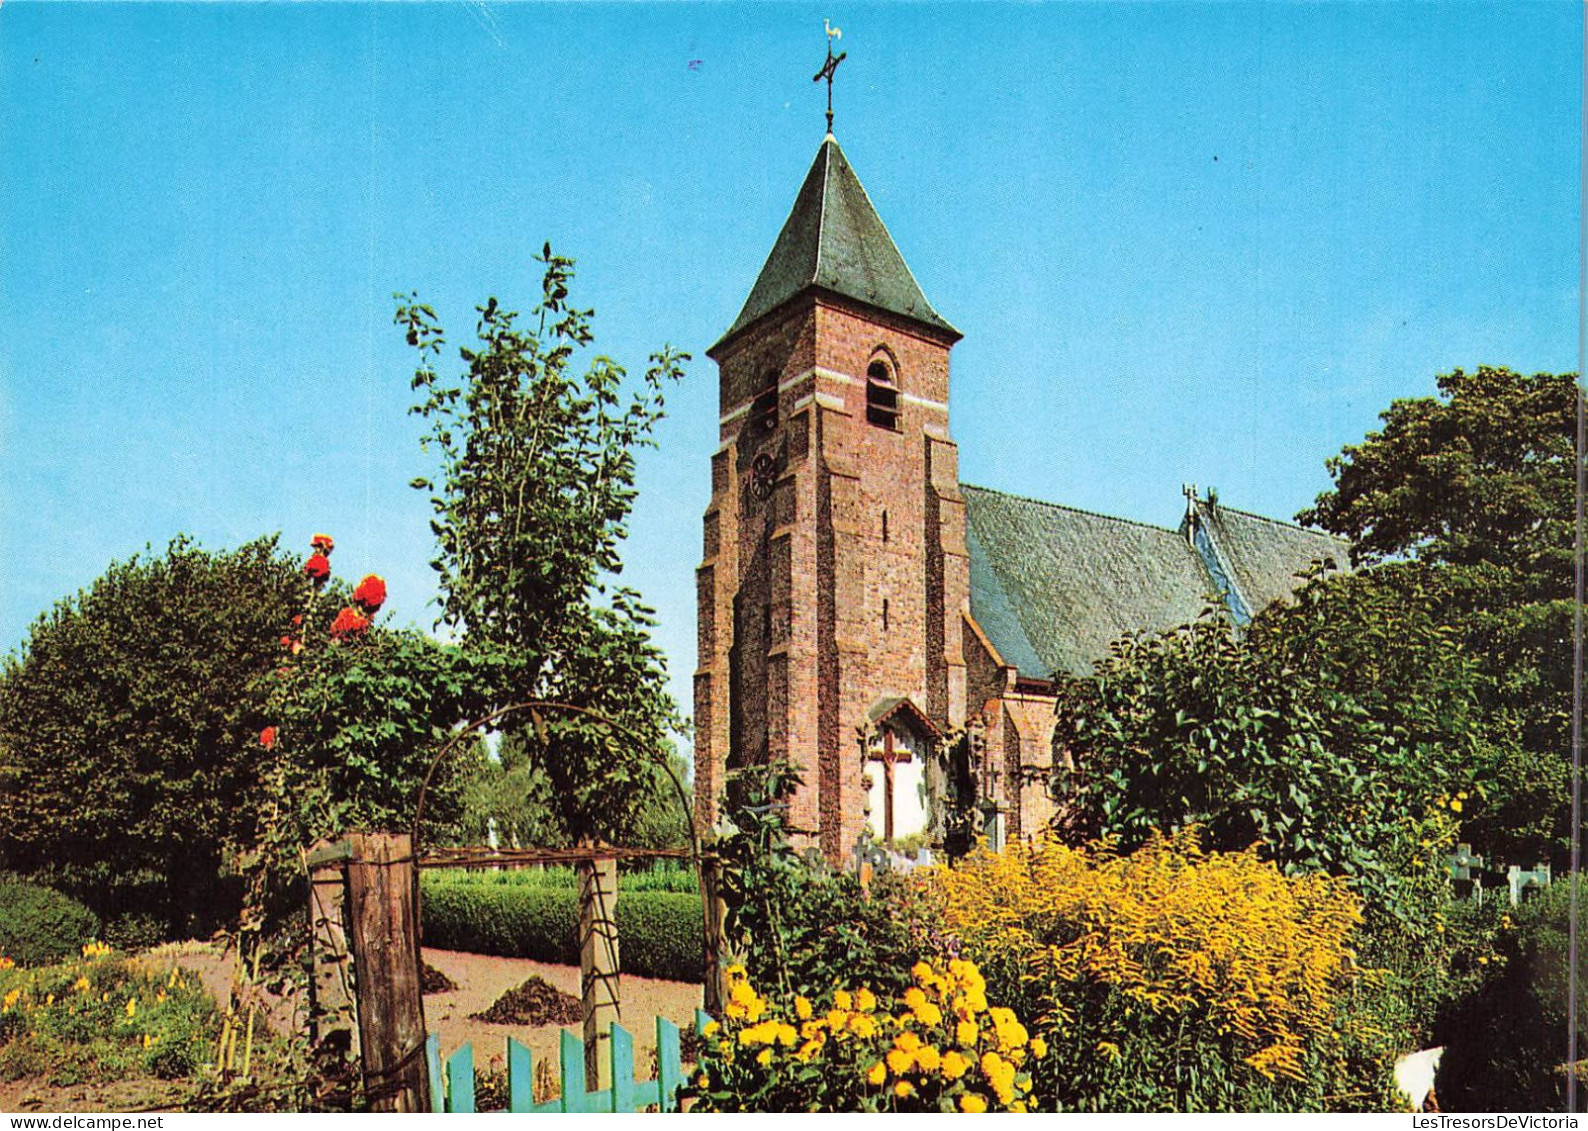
{"x": 882, "y": 395}
{"x": 763, "y": 410}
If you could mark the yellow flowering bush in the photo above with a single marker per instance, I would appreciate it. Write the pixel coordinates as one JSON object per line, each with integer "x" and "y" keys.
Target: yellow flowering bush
{"x": 1172, "y": 978}
{"x": 102, "y": 1017}
{"x": 937, "y": 1046}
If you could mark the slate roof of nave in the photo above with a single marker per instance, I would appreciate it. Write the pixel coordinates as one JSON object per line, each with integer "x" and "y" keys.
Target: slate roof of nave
{"x": 1266, "y": 555}
{"x": 1053, "y": 587}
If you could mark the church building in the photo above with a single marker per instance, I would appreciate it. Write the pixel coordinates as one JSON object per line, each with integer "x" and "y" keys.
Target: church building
{"x": 860, "y": 608}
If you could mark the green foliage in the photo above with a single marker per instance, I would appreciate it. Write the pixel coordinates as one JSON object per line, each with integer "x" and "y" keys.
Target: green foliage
{"x": 1483, "y": 474}
{"x": 103, "y": 1018}
{"x": 355, "y": 722}
{"x": 1505, "y": 1041}
{"x": 38, "y": 925}
{"x": 508, "y": 795}
{"x": 512, "y": 795}
{"x": 1478, "y": 486}
{"x": 128, "y": 729}
{"x": 512, "y": 922}
{"x": 1327, "y": 734}
{"x": 659, "y": 932}
{"x": 361, "y": 719}
{"x": 134, "y": 931}
{"x": 666, "y": 876}
{"x": 535, "y": 485}
{"x": 661, "y": 877}
{"x": 798, "y": 927}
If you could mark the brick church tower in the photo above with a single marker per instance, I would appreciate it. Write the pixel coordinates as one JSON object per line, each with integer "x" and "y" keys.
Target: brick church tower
{"x": 835, "y": 583}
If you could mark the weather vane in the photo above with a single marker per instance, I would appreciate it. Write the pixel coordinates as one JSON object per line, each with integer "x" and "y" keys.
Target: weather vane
{"x": 829, "y": 67}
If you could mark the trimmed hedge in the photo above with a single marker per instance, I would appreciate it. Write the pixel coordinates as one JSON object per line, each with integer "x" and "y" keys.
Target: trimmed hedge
{"x": 39, "y": 925}
{"x": 659, "y": 932}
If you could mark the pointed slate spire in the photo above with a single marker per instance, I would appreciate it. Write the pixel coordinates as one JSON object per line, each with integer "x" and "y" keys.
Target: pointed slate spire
{"x": 834, "y": 240}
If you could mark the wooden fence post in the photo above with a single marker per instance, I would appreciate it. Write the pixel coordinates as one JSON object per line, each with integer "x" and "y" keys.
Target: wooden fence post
{"x": 385, "y": 934}
{"x": 598, "y": 966}
{"x": 331, "y": 1006}
{"x": 715, "y": 911}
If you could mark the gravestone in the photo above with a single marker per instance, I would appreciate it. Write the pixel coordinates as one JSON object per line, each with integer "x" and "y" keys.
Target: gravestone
{"x": 1465, "y": 870}
{"x": 1525, "y": 884}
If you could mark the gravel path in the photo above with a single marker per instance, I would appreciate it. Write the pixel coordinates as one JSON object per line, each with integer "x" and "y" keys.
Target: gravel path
{"x": 481, "y": 980}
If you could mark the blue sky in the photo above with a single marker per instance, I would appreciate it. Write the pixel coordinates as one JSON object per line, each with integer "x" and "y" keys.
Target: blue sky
{"x": 1185, "y": 243}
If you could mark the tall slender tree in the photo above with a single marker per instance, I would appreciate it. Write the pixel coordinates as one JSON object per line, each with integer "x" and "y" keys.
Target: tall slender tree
{"x": 531, "y": 496}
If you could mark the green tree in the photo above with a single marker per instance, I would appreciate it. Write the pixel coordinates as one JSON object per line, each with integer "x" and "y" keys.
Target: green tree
{"x": 358, "y": 722}
{"x": 1480, "y": 475}
{"x": 509, "y": 792}
{"x": 1477, "y": 486}
{"x": 1328, "y": 733}
{"x": 534, "y": 488}
{"x": 129, "y": 726}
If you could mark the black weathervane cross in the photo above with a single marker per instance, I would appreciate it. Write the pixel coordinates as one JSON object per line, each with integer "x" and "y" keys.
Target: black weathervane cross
{"x": 829, "y": 67}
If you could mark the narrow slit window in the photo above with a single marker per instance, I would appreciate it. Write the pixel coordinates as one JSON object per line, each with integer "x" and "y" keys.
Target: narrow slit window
{"x": 884, "y": 614}
{"x": 882, "y": 396}
{"x": 884, "y": 526}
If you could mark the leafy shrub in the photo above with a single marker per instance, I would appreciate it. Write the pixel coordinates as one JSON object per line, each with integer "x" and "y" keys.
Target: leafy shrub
{"x": 1173, "y": 979}
{"x": 134, "y": 931}
{"x": 1505, "y": 1042}
{"x": 797, "y": 926}
{"x": 103, "y": 1018}
{"x": 935, "y": 1047}
{"x": 39, "y": 925}
{"x": 659, "y": 932}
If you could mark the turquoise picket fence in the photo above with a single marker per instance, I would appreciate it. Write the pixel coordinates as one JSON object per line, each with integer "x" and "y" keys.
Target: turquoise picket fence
{"x": 452, "y": 1080}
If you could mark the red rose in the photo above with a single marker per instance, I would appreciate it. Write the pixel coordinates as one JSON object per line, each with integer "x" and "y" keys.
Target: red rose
{"x": 348, "y": 622}
{"x": 286, "y": 642}
{"x": 371, "y": 593}
{"x": 267, "y": 737}
{"x": 298, "y": 619}
{"x": 317, "y": 568}
{"x": 322, "y": 544}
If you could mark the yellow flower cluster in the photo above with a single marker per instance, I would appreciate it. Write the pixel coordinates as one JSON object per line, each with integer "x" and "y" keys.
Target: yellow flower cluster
{"x": 939, "y": 1043}
{"x": 1454, "y": 804}
{"x": 120, "y": 1000}
{"x": 1172, "y": 929}
{"x": 6, "y": 963}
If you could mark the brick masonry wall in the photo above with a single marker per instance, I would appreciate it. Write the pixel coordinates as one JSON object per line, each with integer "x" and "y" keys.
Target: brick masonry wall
{"x": 861, "y": 523}
{"x": 793, "y": 647}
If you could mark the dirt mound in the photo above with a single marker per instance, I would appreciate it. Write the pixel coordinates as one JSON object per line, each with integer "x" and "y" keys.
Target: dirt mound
{"x": 433, "y": 981}
{"x": 534, "y": 1003}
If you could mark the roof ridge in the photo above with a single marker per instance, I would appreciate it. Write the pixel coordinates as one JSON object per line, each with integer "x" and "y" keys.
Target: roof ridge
{"x": 826, "y": 155}
{"x": 1074, "y": 510}
{"x": 1274, "y": 521}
